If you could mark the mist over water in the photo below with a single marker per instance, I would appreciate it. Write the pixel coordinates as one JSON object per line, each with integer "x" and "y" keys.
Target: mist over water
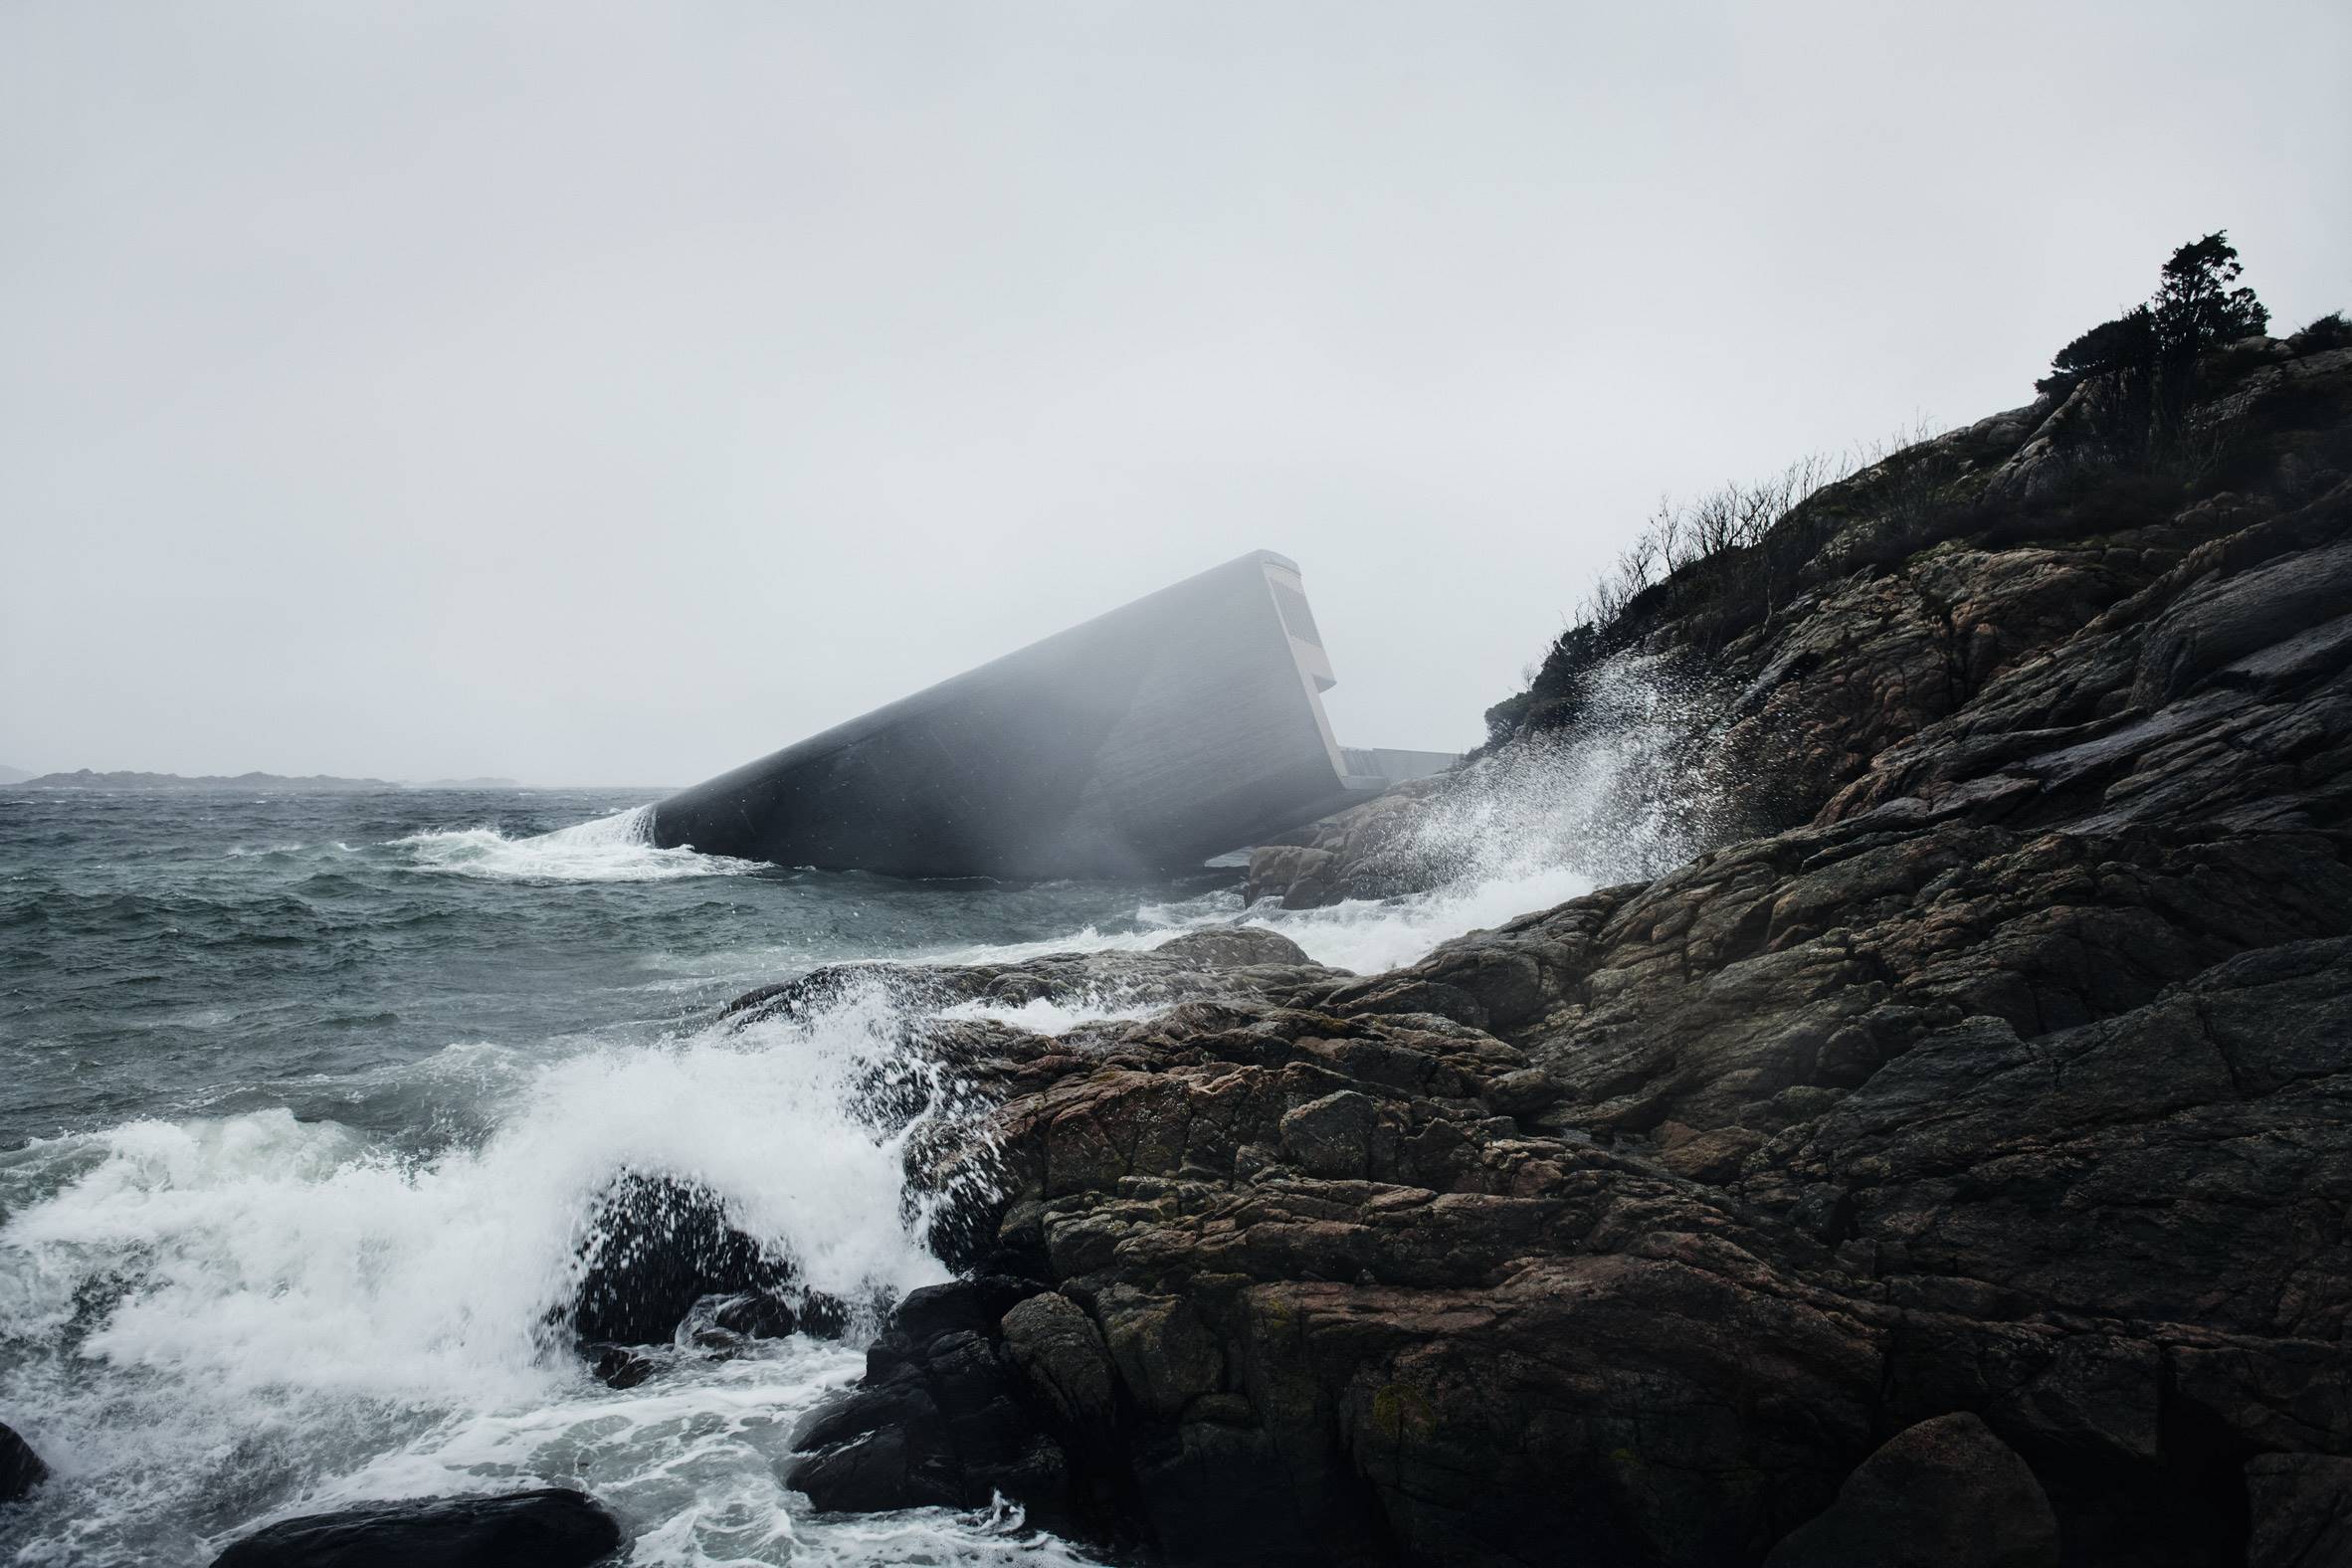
{"x": 308, "y": 1101}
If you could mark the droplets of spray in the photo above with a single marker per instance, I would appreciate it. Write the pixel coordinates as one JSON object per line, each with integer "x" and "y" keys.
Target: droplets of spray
{"x": 1623, "y": 793}
{"x": 1626, "y": 792}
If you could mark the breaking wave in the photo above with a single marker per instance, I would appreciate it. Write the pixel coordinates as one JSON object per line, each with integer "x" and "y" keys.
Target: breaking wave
{"x": 210, "y": 1317}
{"x": 1371, "y": 935}
{"x": 1624, "y": 794}
{"x": 618, "y": 848}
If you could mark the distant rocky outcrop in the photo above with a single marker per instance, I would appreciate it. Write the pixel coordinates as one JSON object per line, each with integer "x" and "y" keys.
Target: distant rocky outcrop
{"x": 272, "y": 783}
{"x": 1951, "y": 1165}
{"x": 173, "y": 783}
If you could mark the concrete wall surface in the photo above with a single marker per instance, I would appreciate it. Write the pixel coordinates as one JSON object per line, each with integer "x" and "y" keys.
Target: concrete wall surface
{"x": 1182, "y": 724}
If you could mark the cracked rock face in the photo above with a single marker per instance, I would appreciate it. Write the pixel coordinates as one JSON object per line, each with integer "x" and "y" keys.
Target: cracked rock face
{"x": 1965, "y": 1169}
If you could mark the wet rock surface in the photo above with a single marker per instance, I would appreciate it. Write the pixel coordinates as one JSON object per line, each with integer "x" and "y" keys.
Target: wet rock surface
{"x": 1977, "y": 1148}
{"x": 21, "y": 1469}
{"x": 550, "y": 1529}
{"x": 657, "y": 1249}
{"x": 985, "y": 1386}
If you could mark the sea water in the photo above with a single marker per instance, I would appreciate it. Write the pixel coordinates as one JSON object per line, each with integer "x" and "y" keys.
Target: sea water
{"x": 305, "y": 1100}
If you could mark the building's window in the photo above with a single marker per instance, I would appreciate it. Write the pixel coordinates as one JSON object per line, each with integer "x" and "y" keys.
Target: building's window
{"x": 1296, "y": 617}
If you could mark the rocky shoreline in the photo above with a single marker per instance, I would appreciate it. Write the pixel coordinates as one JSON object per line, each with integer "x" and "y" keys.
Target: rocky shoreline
{"x": 1972, "y": 1147}
{"x": 1950, "y": 1165}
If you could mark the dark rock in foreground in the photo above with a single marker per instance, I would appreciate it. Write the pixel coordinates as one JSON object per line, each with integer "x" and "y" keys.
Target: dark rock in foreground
{"x": 659, "y": 1247}
{"x": 21, "y": 1469}
{"x": 2302, "y": 1510}
{"x": 944, "y": 1417}
{"x": 551, "y": 1528}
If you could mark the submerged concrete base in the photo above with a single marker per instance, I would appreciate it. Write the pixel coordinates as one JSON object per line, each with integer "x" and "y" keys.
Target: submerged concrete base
{"x": 1184, "y": 724}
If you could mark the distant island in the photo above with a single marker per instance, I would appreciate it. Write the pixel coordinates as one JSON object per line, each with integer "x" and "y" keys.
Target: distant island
{"x": 309, "y": 784}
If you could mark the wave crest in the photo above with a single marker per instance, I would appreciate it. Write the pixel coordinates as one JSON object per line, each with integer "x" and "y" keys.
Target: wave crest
{"x": 619, "y": 847}
{"x": 253, "y": 1313}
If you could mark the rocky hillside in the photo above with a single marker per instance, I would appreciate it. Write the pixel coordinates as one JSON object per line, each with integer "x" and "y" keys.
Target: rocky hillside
{"x": 1883, "y": 604}
{"x": 1953, "y": 1165}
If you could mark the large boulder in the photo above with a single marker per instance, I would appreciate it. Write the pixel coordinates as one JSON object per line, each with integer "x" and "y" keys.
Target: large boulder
{"x": 658, "y": 1245}
{"x": 21, "y": 1469}
{"x": 550, "y": 1529}
{"x": 951, "y": 1414}
{"x": 1945, "y": 1493}
{"x": 1059, "y": 1351}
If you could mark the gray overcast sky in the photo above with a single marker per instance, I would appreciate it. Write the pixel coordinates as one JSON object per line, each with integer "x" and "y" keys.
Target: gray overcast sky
{"x": 610, "y": 394}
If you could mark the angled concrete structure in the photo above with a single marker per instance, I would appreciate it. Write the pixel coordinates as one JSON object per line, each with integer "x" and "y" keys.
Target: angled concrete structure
{"x": 1176, "y": 727}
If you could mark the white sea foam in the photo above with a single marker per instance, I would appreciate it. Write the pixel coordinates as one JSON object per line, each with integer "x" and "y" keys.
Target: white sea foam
{"x": 256, "y": 1306}
{"x": 1612, "y": 799}
{"x": 618, "y": 848}
{"x": 1369, "y": 937}
{"x": 1360, "y": 934}
{"x": 1619, "y": 796}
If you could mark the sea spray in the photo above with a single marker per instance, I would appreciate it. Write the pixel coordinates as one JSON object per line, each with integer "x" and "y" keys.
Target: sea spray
{"x": 1626, "y": 793}
{"x": 1629, "y": 791}
{"x": 250, "y": 1313}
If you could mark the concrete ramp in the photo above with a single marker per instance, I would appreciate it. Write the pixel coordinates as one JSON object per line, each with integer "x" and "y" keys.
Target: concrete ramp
{"x": 1176, "y": 727}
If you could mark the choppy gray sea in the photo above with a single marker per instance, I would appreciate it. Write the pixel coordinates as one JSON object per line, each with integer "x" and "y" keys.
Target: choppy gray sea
{"x": 303, "y": 1100}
